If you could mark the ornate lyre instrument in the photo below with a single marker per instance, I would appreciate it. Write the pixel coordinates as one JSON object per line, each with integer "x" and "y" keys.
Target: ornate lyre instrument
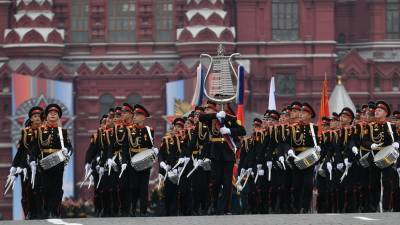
{"x": 222, "y": 88}
{"x": 219, "y": 84}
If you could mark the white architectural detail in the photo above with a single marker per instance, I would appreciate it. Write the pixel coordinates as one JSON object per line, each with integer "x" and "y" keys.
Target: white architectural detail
{"x": 205, "y": 13}
{"x": 40, "y": 2}
{"x": 198, "y": 1}
{"x": 44, "y": 32}
{"x": 33, "y": 14}
{"x": 195, "y": 30}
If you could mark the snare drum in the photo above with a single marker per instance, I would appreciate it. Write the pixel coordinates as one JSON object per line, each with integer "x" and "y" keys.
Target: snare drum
{"x": 307, "y": 158}
{"x": 144, "y": 159}
{"x": 52, "y": 160}
{"x": 386, "y": 157}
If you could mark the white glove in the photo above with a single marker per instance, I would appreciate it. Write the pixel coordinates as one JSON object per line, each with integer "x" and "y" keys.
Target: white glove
{"x": 101, "y": 171}
{"x": 329, "y": 166}
{"x": 395, "y": 145}
{"x": 221, "y": 115}
{"x": 123, "y": 166}
{"x": 65, "y": 151}
{"x": 347, "y": 163}
{"x": 155, "y": 150}
{"x": 224, "y": 130}
{"x": 318, "y": 148}
{"x": 354, "y": 150}
{"x": 33, "y": 166}
{"x": 260, "y": 172}
{"x": 249, "y": 170}
{"x": 339, "y": 166}
{"x": 374, "y": 146}
{"x": 172, "y": 173}
{"x": 13, "y": 170}
{"x": 87, "y": 168}
{"x": 291, "y": 153}
{"x": 269, "y": 164}
{"x": 200, "y": 162}
{"x": 18, "y": 171}
{"x": 111, "y": 163}
{"x": 164, "y": 166}
{"x": 243, "y": 171}
{"x": 183, "y": 160}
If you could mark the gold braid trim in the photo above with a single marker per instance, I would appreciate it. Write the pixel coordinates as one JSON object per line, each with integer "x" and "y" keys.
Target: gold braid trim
{"x": 130, "y": 138}
{"x": 276, "y": 133}
{"x": 119, "y": 140}
{"x": 24, "y": 138}
{"x": 44, "y": 143}
{"x": 178, "y": 143}
{"x": 108, "y": 136}
{"x": 201, "y": 135}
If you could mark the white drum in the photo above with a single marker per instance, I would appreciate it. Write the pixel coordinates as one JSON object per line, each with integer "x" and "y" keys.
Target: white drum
{"x": 144, "y": 159}
{"x": 386, "y": 157}
{"x": 52, "y": 160}
{"x": 307, "y": 158}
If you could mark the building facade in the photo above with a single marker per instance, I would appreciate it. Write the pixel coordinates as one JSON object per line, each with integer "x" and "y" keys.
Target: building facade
{"x": 127, "y": 50}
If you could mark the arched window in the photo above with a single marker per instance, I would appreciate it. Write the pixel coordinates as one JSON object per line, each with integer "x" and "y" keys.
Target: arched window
{"x": 79, "y": 21}
{"x": 133, "y": 99}
{"x": 395, "y": 82}
{"x": 285, "y": 20}
{"x": 121, "y": 20}
{"x": 377, "y": 82}
{"x": 392, "y": 19}
{"x": 164, "y": 20}
{"x": 107, "y": 101}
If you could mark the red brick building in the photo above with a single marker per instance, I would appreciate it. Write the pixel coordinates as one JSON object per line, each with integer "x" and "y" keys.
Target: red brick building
{"x": 126, "y": 50}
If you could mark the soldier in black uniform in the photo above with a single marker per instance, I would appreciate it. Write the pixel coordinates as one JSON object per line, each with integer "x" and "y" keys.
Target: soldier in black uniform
{"x": 378, "y": 135}
{"x": 201, "y": 176}
{"x": 222, "y": 155}
{"x": 301, "y": 140}
{"x": 396, "y": 182}
{"x": 170, "y": 152}
{"x": 92, "y": 165}
{"x": 139, "y": 137}
{"x": 325, "y": 200}
{"x": 31, "y": 199}
{"x": 49, "y": 142}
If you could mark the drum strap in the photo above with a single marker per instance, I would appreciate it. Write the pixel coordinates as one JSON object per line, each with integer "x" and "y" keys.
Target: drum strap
{"x": 149, "y": 132}
{"x": 313, "y": 134}
{"x": 390, "y": 130}
{"x": 60, "y": 134}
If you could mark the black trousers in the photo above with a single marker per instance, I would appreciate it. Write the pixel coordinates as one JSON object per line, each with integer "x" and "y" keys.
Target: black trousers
{"x": 200, "y": 190}
{"x": 279, "y": 189}
{"x": 51, "y": 188}
{"x": 388, "y": 178}
{"x": 221, "y": 175}
{"x": 171, "y": 198}
{"x": 139, "y": 189}
{"x": 302, "y": 188}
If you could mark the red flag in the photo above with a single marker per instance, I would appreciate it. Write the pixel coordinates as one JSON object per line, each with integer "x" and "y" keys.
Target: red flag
{"x": 324, "y": 107}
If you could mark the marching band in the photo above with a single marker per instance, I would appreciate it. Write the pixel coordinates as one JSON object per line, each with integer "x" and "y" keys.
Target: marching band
{"x": 208, "y": 166}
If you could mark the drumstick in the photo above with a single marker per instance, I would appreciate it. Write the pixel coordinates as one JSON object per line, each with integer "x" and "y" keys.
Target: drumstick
{"x": 245, "y": 182}
{"x": 269, "y": 173}
{"x": 183, "y": 169}
{"x": 398, "y": 173}
{"x": 255, "y": 180}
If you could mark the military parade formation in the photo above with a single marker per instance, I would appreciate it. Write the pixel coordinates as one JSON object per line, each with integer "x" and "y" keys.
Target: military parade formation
{"x": 208, "y": 166}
